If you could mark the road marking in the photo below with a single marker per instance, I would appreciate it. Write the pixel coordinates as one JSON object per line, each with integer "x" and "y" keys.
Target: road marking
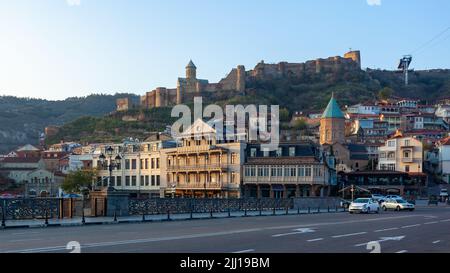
{"x": 25, "y": 233}
{"x": 244, "y": 251}
{"x": 383, "y": 239}
{"x": 348, "y": 235}
{"x": 438, "y": 241}
{"x": 23, "y": 240}
{"x": 410, "y": 226}
{"x": 386, "y": 229}
{"x": 402, "y": 251}
{"x": 446, "y": 220}
{"x": 315, "y": 240}
{"x": 430, "y": 223}
{"x": 298, "y": 231}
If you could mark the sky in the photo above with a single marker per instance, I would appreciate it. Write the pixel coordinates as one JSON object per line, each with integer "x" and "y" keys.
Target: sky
{"x": 55, "y": 49}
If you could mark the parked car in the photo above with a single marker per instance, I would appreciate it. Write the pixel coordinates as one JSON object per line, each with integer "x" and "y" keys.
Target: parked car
{"x": 379, "y": 198}
{"x": 443, "y": 195}
{"x": 366, "y": 205}
{"x": 397, "y": 204}
{"x": 345, "y": 203}
{"x": 393, "y": 197}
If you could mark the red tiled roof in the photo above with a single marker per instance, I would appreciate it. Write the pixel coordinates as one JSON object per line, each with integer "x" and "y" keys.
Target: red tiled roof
{"x": 445, "y": 141}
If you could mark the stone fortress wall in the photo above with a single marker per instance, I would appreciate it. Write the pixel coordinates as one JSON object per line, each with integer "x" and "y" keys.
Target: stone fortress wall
{"x": 237, "y": 78}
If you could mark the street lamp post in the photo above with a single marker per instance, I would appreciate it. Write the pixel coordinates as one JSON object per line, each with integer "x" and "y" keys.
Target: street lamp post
{"x": 112, "y": 164}
{"x": 174, "y": 185}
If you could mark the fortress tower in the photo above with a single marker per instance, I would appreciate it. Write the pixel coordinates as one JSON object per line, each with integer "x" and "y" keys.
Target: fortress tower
{"x": 191, "y": 71}
{"x": 240, "y": 81}
{"x": 355, "y": 55}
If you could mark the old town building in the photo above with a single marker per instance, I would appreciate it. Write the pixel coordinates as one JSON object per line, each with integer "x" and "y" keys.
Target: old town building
{"x": 203, "y": 165}
{"x": 332, "y": 124}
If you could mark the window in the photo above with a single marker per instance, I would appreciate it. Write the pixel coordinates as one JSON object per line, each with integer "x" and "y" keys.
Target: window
{"x": 112, "y": 183}
{"x": 291, "y": 151}
{"x": 127, "y": 164}
{"x": 308, "y": 171}
{"x": 279, "y": 151}
{"x": 406, "y": 154}
{"x": 153, "y": 163}
{"x": 234, "y": 158}
{"x": 407, "y": 142}
{"x": 153, "y": 180}
{"x": 133, "y": 181}
{"x": 301, "y": 171}
{"x": 142, "y": 181}
{"x": 147, "y": 181}
{"x": 391, "y": 143}
{"x": 127, "y": 181}
{"x": 158, "y": 180}
{"x": 317, "y": 171}
{"x": 146, "y": 164}
{"x": 266, "y": 153}
{"x": 157, "y": 163}
{"x": 119, "y": 181}
{"x": 407, "y": 168}
{"x": 253, "y": 152}
{"x": 133, "y": 164}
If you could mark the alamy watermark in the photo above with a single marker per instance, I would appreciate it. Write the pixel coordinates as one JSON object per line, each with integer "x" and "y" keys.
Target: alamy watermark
{"x": 231, "y": 124}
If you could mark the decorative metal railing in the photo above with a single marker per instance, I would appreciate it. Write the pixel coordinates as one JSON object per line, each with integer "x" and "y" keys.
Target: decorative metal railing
{"x": 185, "y": 205}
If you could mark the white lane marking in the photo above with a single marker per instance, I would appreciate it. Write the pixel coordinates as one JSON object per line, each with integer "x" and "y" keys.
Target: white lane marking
{"x": 438, "y": 241}
{"x": 315, "y": 240}
{"x": 410, "y": 226}
{"x": 244, "y": 251}
{"x": 297, "y": 231}
{"x": 24, "y": 240}
{"x": 446, "y": 220}
{"x": 402, "y": 251}
{"x": 430, "y": 223}
{"x": 25, "y": 233}
{"x": 348, "y": 235}
{"x": 386, "y": 229}
{"x": 383, "y": 239}
{"x": 59, "y": 248}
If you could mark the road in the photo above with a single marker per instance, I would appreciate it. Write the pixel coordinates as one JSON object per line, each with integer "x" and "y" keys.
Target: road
{"x": 421, "y": 231}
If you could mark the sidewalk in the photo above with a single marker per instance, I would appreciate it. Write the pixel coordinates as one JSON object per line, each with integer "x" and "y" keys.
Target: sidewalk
{"x": 78, "y": 221}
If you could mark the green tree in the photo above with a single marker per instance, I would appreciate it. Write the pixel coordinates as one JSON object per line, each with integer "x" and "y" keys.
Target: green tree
{"x": 300, "y": 124}
{"x": 385, "y": 93}
{"x": 284, "y": 115}
{"x": 77, "y": 181}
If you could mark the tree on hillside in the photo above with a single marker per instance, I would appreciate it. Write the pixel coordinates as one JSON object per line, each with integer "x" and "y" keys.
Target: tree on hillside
{"x": 385, "y": 93}
{"x": 300, "y": 124}
{"x": 284, "y": 115}
{"x": 77, "y": 181}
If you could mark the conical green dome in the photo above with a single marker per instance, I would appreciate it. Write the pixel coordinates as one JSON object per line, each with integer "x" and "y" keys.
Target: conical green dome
{"x": 333, "y": 110}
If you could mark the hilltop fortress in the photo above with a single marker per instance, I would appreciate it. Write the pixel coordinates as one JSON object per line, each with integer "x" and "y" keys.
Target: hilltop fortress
{"x": 237, "y": 78}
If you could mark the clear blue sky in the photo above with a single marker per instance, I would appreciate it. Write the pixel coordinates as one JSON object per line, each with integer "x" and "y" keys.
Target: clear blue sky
{"x": 60, "y": 48}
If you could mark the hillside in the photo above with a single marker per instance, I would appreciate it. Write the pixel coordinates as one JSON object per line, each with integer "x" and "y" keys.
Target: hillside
{"x": 23, "y": 119}
{"x": 307, "y": 94}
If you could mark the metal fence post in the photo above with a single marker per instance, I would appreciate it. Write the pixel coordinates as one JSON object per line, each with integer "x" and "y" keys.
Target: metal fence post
{"x": 287, "y": 210}
{"x": 143, "y": 216}
{"x": 298, "y": 210}
{"x": 309, "y": 210}
{"x": 46, "y": 217}
{"x": 83, "y": 220}
{"x": 328, "y": 208}
{"x": 115, "y": 216}
{"x": 273, "y": 212}
{"x": 3, "y": 214}
{"x": 168, "y": 214}
{"x": 336, "y": 209}
{"x": 260, "y": 208}
{"x": 245, "y": 211}
{"x": 211, "y": 212}
{"x": 318, "y": 209}
{"x": 191, "y": 216}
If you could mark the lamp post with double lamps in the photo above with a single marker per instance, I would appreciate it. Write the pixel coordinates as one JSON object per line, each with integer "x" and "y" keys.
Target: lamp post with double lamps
{"x": 112, "y": 164}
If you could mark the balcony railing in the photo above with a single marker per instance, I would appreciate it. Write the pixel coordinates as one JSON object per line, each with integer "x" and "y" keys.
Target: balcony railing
{"x": 199, "y": 185}
{"x": 199, "y": 167}
{"x": 198, "y": 149}
{"x": 285, "y": 180}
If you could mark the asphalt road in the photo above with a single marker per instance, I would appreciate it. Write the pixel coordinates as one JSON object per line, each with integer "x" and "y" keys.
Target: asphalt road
{"x": 421, "y": 231}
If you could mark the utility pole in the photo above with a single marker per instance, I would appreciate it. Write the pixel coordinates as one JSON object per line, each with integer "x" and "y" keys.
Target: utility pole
{"x": 404, "y": 66}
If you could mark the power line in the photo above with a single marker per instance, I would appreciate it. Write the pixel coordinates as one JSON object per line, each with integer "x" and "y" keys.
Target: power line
{"x": 445, "y": 38}
{"x": 430, "y": 41}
